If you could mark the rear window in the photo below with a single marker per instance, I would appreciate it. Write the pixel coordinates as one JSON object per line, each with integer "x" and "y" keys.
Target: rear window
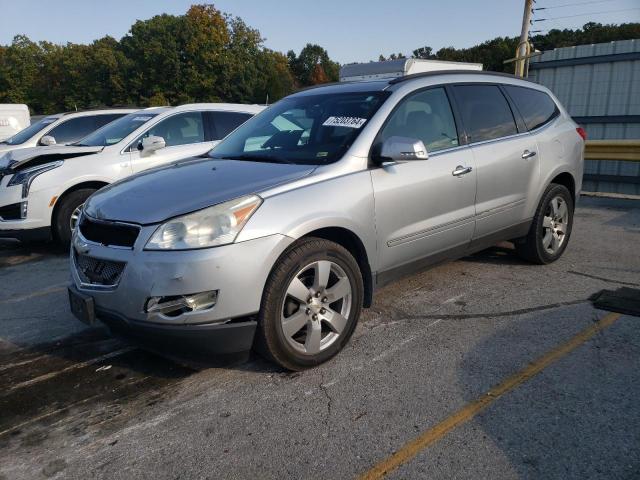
{"x": 536, "y": 107}
{"x": 485, "y": 112}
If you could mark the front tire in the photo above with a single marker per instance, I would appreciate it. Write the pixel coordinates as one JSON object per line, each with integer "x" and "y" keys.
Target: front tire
{"x": 67, "y": 211}
{"x": 310, "y": 306}
{"x": 550, "y": 229}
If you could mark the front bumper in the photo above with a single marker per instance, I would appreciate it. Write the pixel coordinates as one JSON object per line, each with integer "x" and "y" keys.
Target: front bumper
{"x": 237, "y": 271}
{"x": 39, "y": 234}
{"x": 37, "y": 224}
{"x": 202, "y": 343}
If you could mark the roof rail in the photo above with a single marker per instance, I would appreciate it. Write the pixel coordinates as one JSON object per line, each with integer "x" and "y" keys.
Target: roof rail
{"x": 452, "y": 72}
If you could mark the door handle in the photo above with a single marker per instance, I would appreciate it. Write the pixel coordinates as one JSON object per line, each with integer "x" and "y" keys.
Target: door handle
{"x": 460, "y": 170}
{"x": 527, "y": 154}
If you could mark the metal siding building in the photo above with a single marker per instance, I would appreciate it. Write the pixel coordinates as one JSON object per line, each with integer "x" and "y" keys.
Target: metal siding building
{"x": 599, "y": 85}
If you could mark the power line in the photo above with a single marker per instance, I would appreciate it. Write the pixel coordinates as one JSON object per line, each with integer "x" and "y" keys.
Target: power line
{"x": 574, "y": 4}
{"x": 584, "y": 14}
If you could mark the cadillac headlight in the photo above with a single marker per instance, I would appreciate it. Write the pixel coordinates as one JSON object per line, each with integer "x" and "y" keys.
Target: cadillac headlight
{"x": 213, "y": 226}
{"x": 26, "y": 176}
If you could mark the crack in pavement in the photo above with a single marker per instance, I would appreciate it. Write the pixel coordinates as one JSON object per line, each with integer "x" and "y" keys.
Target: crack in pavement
{"x": 403, "y": 315}
{"x": 325, "y": 391}
{"x": 603, "y": 279}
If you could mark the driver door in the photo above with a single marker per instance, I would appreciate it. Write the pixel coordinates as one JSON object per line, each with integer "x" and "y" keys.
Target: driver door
{"x": 424, "y": 208}
{"x": 184, "y": 136}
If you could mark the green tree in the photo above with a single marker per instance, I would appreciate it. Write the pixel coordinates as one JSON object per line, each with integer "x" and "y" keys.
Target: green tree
{"x": 313, "y": 66}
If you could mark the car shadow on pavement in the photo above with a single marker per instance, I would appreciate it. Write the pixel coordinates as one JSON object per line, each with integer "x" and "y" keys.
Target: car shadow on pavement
{"x": 13, "y": 252}
{"x": 501, "y": 254}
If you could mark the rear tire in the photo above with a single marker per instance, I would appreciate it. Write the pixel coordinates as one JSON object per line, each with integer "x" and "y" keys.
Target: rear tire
{"x": 310, "y": 306}
{"x": 67, "y": 207}
{"x": 550, "y": 229}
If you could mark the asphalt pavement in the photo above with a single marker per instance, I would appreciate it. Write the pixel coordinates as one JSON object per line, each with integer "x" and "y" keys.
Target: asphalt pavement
{"x": 487, "y": 367}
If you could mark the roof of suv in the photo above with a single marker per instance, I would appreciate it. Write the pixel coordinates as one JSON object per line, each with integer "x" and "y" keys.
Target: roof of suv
{"x": 384, "y": 84}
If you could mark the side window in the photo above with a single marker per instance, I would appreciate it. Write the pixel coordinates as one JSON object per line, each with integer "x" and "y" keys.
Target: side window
{"x": 73, "y": 130}
{"x": 181, "y": 129}
{"x": 536, "y": 107}
{"x": 102, "y": 120}
{"x": 226, "y": 122}
{"x": 485, "y": 112}
{"x": 425, "y": 116}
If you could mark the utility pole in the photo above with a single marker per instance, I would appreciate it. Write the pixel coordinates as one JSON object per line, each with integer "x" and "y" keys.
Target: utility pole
{"x": 524, "y": 37}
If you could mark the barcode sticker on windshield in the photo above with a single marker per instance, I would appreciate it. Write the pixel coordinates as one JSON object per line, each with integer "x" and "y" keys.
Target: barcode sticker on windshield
{"x": 349, "y": 122}
{"x": 141, "y": 119}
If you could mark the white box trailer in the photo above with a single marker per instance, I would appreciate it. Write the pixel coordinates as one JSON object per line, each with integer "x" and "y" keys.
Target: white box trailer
{"x": 399, "y": 68}
{"x": 13, "y": 118}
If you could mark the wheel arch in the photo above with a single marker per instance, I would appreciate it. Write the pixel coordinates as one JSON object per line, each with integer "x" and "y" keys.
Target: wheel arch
{"x": 95, "y": 184}
{"x": 561, "y": 176}
{"x": 567, "y": 180}
{"x": 354, "y": 245}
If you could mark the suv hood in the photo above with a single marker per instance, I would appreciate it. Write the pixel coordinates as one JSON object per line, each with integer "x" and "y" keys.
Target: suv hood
{"x": 30, "y": 157}
{"x": 185, "y": 187}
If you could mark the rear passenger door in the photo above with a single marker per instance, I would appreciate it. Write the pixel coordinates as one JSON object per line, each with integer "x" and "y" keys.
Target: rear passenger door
{"x": 505, "y": 157}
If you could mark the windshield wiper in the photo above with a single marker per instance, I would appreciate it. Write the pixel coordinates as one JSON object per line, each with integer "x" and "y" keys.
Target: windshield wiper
{"x": 256, "y": 158}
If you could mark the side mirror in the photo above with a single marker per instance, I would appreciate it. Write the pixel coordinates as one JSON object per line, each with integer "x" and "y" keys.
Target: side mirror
{"x": 47, "y": 141}
{"x": 151, "y": 144}
{"x": 401, "y": 149}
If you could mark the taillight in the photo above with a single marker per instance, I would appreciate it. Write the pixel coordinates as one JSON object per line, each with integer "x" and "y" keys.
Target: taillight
{"x": 582, "y": 132}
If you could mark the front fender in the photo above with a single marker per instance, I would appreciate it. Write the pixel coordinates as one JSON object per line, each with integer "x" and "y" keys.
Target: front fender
{"x": 345, "y": 202}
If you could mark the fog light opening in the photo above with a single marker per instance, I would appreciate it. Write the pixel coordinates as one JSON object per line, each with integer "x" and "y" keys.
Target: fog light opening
{"x": 173, "y": 306}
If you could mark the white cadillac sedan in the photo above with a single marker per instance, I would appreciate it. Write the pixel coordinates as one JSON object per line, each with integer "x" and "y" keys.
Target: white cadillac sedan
{"x": 42, "y": 189}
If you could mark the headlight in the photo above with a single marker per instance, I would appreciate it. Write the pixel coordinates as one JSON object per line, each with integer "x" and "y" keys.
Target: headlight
{"x": 213, "y": 226}
{"x": 26, "y": 176}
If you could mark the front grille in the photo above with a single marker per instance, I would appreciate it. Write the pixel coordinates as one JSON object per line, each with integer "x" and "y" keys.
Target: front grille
{"x": 95, "y": 271}
{"x": 108, "y": 233}
{"x": 11, "y": 212}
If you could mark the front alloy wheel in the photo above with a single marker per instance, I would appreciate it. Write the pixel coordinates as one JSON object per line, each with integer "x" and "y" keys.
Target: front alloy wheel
{"x": 310, "y": 305}
{"x": 75, "y": 215}
{"x": 316, "y": 307}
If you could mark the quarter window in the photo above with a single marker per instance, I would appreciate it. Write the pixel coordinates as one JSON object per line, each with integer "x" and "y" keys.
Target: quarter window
{"x": 485, "y": 112}
{"x": 425, "y": 116}
{"x": 536, "y": 107}
{"x": 181, "y": 129}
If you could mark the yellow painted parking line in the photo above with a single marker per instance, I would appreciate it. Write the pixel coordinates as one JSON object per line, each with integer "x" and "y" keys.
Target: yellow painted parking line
{"x": 429, "y": 437}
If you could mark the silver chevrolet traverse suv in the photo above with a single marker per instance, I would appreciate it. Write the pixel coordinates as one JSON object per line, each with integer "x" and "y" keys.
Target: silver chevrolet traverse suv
{"x": 279, "y": 238}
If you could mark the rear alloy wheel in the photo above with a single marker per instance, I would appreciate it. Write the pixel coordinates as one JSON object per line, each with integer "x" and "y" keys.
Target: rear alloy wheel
{"x": 311, "y": 304}
{"x": 550, "y": 229}
{"x": 554, "y": 225}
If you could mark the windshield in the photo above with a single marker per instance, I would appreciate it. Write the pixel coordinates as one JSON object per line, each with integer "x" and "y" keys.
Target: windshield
{"x": 115, "y": 131}
{"x": 308, "y": 129}
{"x": 25, "y": 134}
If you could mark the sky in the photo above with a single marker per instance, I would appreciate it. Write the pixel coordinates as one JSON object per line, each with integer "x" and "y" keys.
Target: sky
{"x": 350, "y": 30}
